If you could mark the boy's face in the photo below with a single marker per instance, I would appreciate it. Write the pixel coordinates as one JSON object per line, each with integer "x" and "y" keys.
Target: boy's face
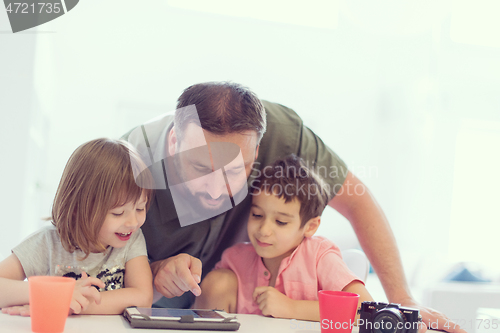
{"x": 274, "y": 226}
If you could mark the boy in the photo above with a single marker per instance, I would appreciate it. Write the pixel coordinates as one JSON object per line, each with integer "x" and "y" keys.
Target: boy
{"x": 281, "y": 271}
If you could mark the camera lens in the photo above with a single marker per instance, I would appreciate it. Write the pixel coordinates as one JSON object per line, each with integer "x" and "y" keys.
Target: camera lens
{"x": 388, "y": 320}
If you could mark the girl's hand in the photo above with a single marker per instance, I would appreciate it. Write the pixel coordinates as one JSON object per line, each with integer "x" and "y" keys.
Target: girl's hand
{"x": 19, "y": 310}
{"x": 84, "y": 294}
{"x": 273, "y": 303}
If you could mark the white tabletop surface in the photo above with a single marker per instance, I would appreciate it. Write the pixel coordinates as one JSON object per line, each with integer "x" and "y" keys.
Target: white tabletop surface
{"x": 117, "y": 324}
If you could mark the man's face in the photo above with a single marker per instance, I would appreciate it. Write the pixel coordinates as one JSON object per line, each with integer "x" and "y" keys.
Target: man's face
{"x": 218, "y": 169}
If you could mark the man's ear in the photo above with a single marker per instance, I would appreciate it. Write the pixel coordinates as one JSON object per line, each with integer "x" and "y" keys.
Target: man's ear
{"x": 312, "y": 226}
{"x": 172, "y": 141}
{"x": 257, "y": 152}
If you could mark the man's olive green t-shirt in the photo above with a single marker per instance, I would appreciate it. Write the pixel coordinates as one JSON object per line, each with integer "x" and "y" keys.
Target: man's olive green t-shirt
{"x": 206, "y": 240}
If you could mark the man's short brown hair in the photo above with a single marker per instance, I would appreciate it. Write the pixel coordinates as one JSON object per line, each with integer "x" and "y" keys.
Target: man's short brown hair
{"x": 99, "y": 176}
{"x": 291, "y": 179}
{"x": 222, "y": 107}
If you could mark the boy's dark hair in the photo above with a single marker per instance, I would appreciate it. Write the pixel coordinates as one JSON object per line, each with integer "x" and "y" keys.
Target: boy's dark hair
{"x": 222, "y": 107}
{"x": 291, "y": 179}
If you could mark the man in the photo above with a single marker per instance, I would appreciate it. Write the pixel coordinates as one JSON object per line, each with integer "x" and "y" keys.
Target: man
{"x": 220, "y": 136}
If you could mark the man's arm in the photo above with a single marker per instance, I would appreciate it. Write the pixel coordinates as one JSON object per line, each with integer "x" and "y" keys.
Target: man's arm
{"x": 374, "y": 234}
{"x": 377, "y": 240}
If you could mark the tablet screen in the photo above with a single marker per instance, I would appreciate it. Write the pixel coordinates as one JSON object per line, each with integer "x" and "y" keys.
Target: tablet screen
{"x": 177, "y": 313}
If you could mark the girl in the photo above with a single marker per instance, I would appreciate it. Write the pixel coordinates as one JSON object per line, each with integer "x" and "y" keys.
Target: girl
{"x": 95, "y": 235}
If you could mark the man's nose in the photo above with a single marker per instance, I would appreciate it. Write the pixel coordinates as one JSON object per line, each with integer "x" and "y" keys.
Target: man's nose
{"x": 216, "y": 185}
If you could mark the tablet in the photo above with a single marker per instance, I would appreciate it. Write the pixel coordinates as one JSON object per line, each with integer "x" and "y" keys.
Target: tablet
{"x": 162, "y": 318}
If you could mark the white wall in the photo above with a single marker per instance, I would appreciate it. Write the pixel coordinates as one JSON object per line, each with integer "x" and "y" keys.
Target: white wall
{"x": 17, "y": 96}
{"x": 385, "y": 86}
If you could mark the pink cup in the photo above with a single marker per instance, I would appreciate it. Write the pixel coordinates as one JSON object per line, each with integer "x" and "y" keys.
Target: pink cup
{"x": 337, "y": 310}
{"x": 50, "y": 298}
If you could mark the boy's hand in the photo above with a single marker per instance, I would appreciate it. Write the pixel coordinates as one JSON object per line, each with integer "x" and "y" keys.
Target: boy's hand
{"x": 273, "y": 303}
{"x": 18, "y": 310}
{"x": 85, "y": 293}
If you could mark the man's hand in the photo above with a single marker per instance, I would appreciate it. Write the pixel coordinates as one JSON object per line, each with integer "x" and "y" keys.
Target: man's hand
{"x": 19, "y": 310}
{"x": 176, "y": 275}
{"x": 85, "y": 293}
{"x": 433, "y": 319}
{"x": 273, "y": 303}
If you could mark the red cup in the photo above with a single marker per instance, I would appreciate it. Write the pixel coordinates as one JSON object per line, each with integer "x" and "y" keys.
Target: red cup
{"x": 50, "y": 298}
{"x": 337, "y": 310}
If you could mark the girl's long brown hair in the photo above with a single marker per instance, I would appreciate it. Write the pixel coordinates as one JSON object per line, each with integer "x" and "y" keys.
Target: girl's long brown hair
{"x": 99, "y": 176}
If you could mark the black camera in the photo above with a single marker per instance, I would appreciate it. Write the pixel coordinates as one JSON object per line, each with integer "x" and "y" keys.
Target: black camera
{"x": 379, "y": 317}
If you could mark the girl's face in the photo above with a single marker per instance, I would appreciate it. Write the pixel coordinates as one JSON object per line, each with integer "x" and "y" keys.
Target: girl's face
{"x": 121, "y": 222}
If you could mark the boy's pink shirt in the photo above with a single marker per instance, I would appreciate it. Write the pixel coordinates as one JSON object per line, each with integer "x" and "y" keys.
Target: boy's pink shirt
{"x": 316, "y": 264}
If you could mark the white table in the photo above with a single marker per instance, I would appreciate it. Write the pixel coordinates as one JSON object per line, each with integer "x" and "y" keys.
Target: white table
{"x": 461, "y": 300}
{"x": 118, "y": 324}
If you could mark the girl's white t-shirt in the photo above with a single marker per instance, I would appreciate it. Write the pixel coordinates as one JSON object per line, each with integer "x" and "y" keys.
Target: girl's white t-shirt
{"x": 43, "y": 254}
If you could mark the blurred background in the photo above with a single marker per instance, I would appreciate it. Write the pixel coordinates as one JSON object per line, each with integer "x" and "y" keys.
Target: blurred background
{"x": 407, "y": 93}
